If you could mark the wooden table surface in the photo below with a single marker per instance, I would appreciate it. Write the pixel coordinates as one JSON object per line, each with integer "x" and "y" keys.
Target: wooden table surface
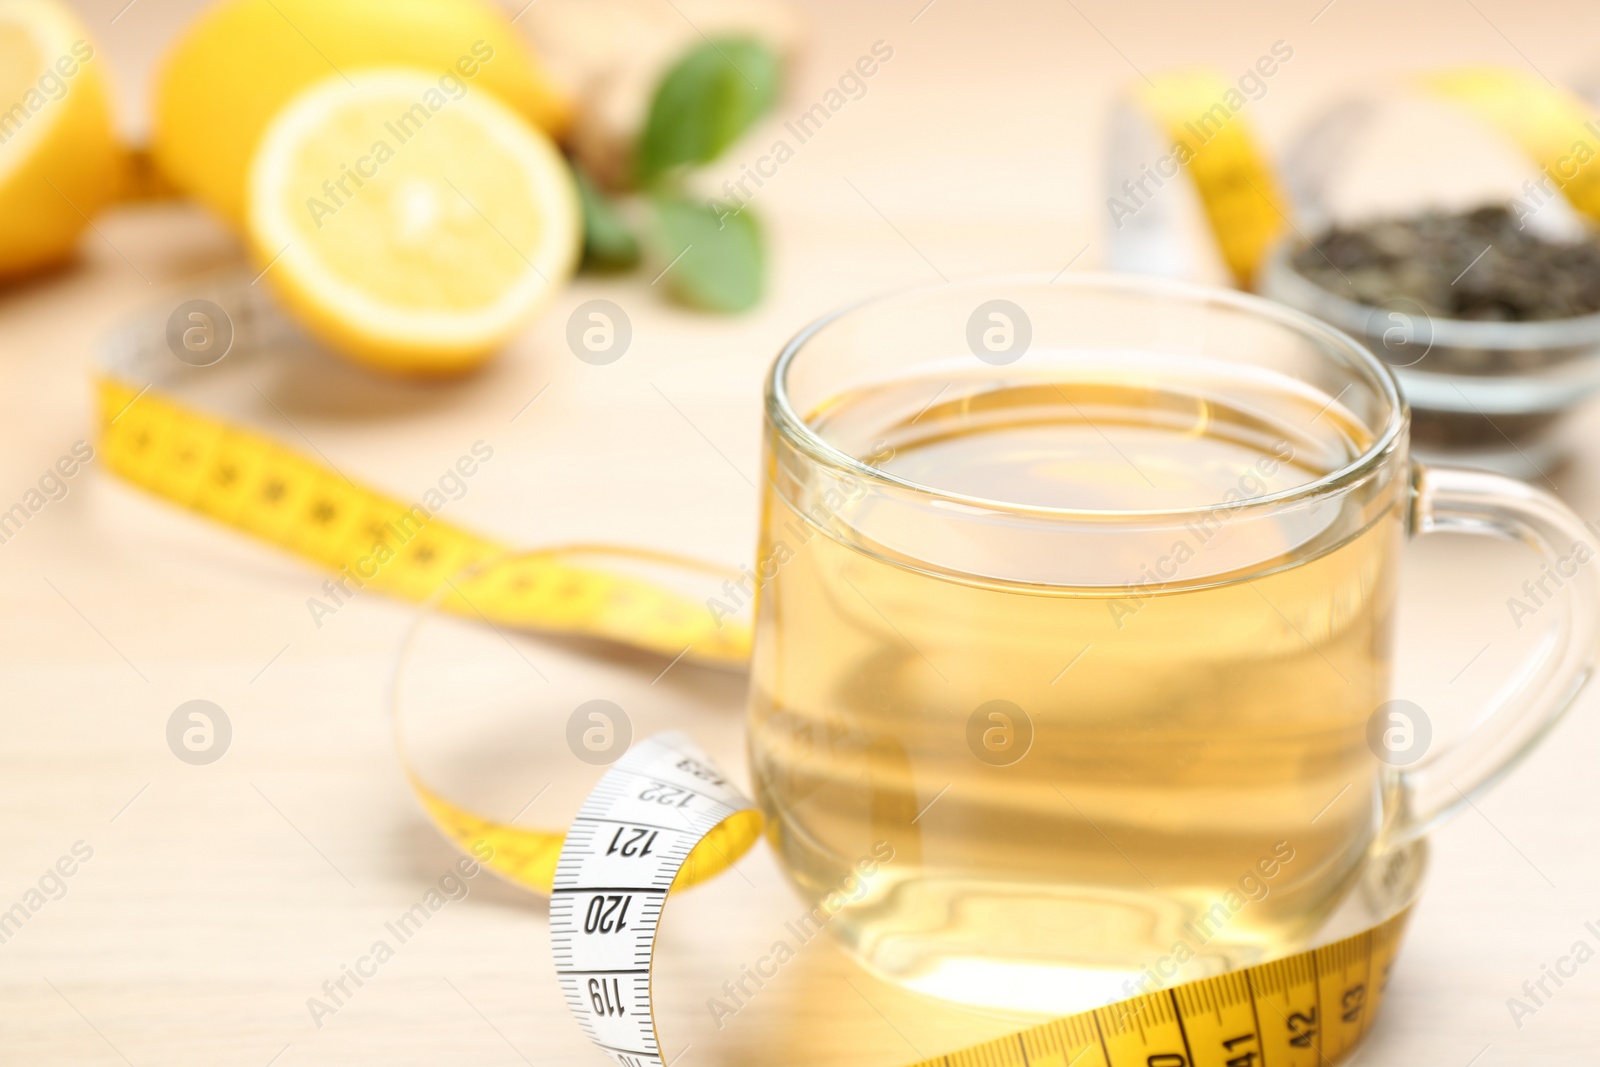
{"x": 219, "y": 898}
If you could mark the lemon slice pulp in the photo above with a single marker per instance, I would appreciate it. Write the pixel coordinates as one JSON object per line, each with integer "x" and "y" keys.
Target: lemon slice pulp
{"x": 409, "y": 225}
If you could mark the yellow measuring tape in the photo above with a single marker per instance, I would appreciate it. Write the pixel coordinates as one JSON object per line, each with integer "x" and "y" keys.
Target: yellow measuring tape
{"x": 1309, "y": 1008}
{"x": 1240, "y": 193}
{"x": 1244, "y": 200}
{"x": 1554, "y": 127}
{"x": 246, "y": 480}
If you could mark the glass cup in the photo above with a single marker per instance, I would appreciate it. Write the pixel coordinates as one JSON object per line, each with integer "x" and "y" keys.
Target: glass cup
{"x": 1074, "y": 613}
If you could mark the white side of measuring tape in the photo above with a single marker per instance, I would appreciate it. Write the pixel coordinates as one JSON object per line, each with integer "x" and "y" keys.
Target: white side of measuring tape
{"x": 620, "y": 857}
{"x": 1162, "y": 233}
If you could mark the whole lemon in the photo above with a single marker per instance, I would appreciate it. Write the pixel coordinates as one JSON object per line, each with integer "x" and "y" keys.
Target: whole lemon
{"x": 230, "y": 73}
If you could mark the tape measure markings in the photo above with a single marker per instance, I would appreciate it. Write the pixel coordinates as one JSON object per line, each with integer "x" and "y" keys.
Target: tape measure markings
{"x": 253, "y": 484}
{"x": 613, "y": 879}
{"x": 600, "y": 972}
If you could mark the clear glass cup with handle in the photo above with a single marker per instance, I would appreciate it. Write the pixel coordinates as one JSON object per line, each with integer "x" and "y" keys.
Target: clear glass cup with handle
{"x": 1075, "y": 610}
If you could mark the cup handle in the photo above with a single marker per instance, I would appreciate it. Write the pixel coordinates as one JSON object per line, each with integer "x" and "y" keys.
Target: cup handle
{"x": 1463, "y": 501}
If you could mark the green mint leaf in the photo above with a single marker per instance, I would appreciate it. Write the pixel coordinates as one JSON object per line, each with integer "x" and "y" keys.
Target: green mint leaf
{"x": 717, "y": 259}
{"x": 608, "y": 244}
{"x": 704, "y": 103}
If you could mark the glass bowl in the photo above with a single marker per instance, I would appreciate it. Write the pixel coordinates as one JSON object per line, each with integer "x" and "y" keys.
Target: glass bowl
{"x": 1483, "y": 394}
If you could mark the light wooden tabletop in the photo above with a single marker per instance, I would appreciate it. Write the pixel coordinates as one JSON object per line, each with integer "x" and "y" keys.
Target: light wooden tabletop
{"x": 219, "y": 898}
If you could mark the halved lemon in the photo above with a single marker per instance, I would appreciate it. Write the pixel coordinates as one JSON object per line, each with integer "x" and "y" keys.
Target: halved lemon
{"x": 407, "y": 225}
{"x": 59, "y": 160}
{"x": 241, "y": 61}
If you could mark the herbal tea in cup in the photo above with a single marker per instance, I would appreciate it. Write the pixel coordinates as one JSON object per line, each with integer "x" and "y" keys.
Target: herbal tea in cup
{"x": 1081, "y": 597}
